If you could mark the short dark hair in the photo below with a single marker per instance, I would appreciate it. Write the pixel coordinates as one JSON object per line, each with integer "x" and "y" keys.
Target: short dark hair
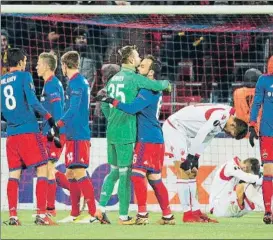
{"x": 155, "y": 66}
{"x": 241, "y": 129}
{"x": 51, "y": 60}
{"x": 71, "y": 59}
{"x": 252, "y": 75}
{"x": 14, "y": 56}
{"x": 126, "y": 52}
{"x": 255, "y": 165}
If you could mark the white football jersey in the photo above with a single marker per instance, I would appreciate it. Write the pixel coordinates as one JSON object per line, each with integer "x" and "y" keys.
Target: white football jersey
{"x": 226, "y": 178}
{"x": 201, "y": 122}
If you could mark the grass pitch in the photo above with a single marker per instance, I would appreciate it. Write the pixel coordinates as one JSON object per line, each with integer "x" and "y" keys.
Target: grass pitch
{"x": 248, "y": 227}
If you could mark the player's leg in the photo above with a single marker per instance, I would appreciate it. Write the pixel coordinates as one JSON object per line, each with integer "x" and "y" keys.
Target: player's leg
{"x": 110, "y": 180}
{"x": 266, "y": 150}
{"x": 162, "y": 196}
{"x": 80, "y": 152}
{"x": 253, "y": 194}
{"x": 176, "y": 146}
{"x": 54, "y": 155}
{"x": 15, "y": 165}
{"x": 138, "y": 179}
{"x": 124, "y": 162}
{"x": 38, "y": 158}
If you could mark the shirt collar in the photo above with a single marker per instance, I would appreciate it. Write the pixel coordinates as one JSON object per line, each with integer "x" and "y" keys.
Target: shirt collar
{"x": 74, "y": 76}
{"x": 50, "y": 78}
{"x": 128, "y": 67}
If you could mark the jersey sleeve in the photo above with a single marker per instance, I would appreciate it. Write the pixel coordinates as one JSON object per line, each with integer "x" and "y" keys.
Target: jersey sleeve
{"x": 258, "y": 100}
{"x": 32, "y": 100}
{"x": 75, "y": 100}
{"x": 54, "y": 95}
{"x": 211, "y": 124}
{"x": 142, "y": 100}
{"x": 143, "y": 82}
{"x": 232, "y": 170}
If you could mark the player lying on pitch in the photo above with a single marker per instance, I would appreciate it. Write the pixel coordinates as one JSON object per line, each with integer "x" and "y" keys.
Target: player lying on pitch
{"x": 187, "y": 133}
{"x": 149, "y": 150}
{"x": 236, "y": 188}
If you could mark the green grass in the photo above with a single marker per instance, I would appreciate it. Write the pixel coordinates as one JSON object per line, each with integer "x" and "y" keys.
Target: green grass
{"x": 247, "y": 227}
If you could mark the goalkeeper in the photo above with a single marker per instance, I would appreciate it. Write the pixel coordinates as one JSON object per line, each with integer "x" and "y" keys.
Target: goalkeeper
{"x": 121, "y": 129}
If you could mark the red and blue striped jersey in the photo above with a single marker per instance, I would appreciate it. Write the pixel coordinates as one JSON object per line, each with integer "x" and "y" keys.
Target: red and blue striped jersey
{"x": 263, "y": 97}
{"x": 18, "y": 102}
{"x": 52, "y": 99}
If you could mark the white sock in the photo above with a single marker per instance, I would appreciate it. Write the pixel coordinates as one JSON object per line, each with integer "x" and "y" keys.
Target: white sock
{"x": 103, "y": 210}
{"x": 142, "y": 213}
{"x": 123, "y": 217}
{"x": 254, "y": 196}
{"x": 184, "y": 194}
{"x": 193, "y": 191}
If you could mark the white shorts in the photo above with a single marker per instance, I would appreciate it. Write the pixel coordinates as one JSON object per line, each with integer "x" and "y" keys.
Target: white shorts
{"x": 176, "y": 142}
{"x": 227, "y": 206}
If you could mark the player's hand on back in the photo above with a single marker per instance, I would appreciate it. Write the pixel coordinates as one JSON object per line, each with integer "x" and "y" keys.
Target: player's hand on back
{"x": 252, "y": 135}
{"x": 103, "y": 98}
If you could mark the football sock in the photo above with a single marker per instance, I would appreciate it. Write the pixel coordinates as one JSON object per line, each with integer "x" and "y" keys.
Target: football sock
{"x": 124, "y": 190}
{"x": 184, "y": 194}
{"x": 75, "y": 196}
{"x": 41, "y": 194}
{"x": 62, "y": 180}
{"x": 162, "y": 196}
{"x": 108, "y": 187}
{"x": 12, "y": 193}
{"x": 51, "y": 194}
{"x": 193, "y": 193}
{"x": 87, "y": 190}
{"x": 140, "y": 188}
{"x": 267, "y": 187}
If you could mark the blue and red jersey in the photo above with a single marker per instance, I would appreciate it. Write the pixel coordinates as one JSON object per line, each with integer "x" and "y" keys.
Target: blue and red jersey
{"x": 52, "y": 100}
{"x": 146, "y": 106}
{"x": 76, "y": 116}
{"x": 18, "y": 102}
{"x": 263, "y": 97}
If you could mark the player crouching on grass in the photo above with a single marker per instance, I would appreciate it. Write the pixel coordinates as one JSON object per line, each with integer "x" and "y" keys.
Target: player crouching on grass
{"x": 149, "y": 150}
{"x": 236, "y": 188}
{"x": 24, "y": 145}
{"x": 53, "y": 100}
{"x": 187, "y": 133}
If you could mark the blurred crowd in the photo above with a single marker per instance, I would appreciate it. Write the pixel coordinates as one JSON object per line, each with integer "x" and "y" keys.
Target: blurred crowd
{"x": 203, "y": 65}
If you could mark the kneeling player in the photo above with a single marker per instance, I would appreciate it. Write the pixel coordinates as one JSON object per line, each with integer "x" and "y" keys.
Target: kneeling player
{"x": 149, "y": 149}
{"x": 53, "y": 100}
{"x": 187, "y": 133}
{"x": 236, "y": 188}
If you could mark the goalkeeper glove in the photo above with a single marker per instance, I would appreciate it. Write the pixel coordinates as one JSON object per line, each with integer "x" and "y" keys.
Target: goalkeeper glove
{"x": 101, "y": 98}
{"x": 252, "y": 135}
{"x": 190, "y": 163}
{"x": 169, "y": 88}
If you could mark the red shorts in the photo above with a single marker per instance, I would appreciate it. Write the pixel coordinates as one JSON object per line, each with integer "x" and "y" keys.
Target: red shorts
{"x": 77, "y": 153}
{"x": 149, "y": 156}
{"x": 266, "y": 149}
{"x": 26, "y": 150}
{"x": 54, "y": 153}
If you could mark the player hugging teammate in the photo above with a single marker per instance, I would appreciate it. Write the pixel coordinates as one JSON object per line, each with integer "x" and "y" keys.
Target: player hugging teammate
{"x": 135, "y": 142}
